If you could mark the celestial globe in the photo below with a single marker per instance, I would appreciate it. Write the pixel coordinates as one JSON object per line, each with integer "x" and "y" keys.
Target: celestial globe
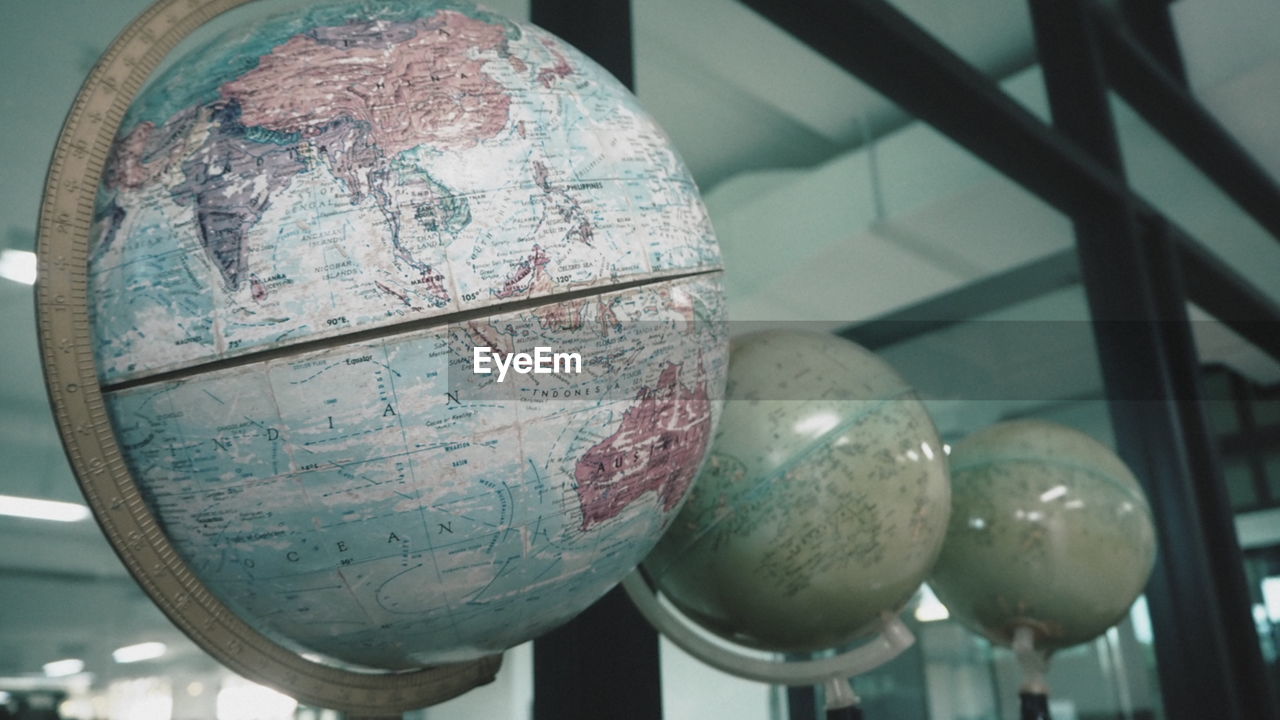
{"x": 823, "y": 503}
{"x": 306, "y": 229}
{"x": 1049, "y": 531}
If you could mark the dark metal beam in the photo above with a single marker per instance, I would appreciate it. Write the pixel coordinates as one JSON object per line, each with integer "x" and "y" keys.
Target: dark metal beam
{"x": 973, "y": 300}
{"x": 802, "y": 703}
{"x": 885, "y": 49}
{"x": 1211, "y": 284}
{"x": 1209, "y": 659}
{"x": 1152, "y": 25}
{"x": 882, "y": 47}
{"x": 1221, "y": 291}
{"x": 1164, "y": 102}
{"x": 599, "y": 28}
{"x": 603, "y": 663}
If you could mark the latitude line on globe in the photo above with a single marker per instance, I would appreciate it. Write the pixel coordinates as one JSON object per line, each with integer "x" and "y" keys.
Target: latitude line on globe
{"x": 402, "y": 328}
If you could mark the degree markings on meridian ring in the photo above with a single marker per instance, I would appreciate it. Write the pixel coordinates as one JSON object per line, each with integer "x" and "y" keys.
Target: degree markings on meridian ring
{"x": 67, "y": 356}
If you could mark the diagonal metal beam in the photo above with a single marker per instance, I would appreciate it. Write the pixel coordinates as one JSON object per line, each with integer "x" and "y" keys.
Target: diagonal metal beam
{"x": 1162, "y": 99}
{"x": 885, "y": 49}
{"x": 994, "y": 292}
{"x": 1151, "y": 23}
{"x": 881, "y": 46}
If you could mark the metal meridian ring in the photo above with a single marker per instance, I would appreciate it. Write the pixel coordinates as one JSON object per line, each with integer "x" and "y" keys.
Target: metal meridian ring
{"x": 893, "y": 638}
{"x": 66, "y": 350}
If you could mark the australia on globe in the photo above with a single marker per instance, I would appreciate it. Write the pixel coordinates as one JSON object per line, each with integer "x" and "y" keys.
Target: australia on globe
{"x": 304, "y": 229}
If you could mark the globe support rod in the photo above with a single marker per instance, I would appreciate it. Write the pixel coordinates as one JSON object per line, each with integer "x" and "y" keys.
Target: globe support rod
{"x": 892, "y": 639}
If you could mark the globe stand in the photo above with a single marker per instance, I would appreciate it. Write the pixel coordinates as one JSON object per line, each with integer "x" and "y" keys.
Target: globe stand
{"x": 841, "y": 700}
{"x": 1034, "y": 693}
{"x": 831, "y": 672}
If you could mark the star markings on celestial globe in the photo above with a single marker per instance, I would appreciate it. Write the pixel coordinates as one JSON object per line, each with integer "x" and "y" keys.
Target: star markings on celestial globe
{"x": 823, "y": 503}
{"x": 1050, "y": 532}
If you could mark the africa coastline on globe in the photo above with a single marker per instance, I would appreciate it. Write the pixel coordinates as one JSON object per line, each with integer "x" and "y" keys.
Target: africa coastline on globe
{"x": 426, "y": 178}
{"x": 822, "y": 506}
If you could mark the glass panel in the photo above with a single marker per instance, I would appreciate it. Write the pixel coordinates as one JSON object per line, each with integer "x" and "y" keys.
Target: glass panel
{"x": 1272, "y": 465}
{"x": 1232, "y": 59}
{"x": 1178, "y": 189}
{"x": 1240, "y": 486}
{"x": 1220, "y": 401}
{"x": 1266, "y": 410}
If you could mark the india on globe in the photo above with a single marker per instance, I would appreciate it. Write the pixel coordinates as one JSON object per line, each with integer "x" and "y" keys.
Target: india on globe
{"x": 303, "y": 229}
{"x": 823, "y": 504}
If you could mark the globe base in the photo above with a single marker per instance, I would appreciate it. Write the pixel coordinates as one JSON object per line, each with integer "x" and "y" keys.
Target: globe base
{"x": 892, "y": 638}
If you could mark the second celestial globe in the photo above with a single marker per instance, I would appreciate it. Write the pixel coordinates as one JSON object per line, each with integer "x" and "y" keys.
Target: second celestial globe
{"x": 823, "y": 503}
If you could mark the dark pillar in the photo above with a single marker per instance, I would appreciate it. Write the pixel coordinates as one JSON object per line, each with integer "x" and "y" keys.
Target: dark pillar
{"x": 599, "y": 28}
{"x": 802, "y": 703}
{"x": 603, "y": 664}
{"x": 1209, "y": 660}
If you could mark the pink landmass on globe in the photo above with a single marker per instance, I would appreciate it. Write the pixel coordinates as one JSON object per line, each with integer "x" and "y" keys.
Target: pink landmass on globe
{"x": 528, "y": 275}
{"x": 429, "y": 88}
{"x": 657, "y": 448}
{"x": 562, "y": 69}
{"x": 126, "y": 167}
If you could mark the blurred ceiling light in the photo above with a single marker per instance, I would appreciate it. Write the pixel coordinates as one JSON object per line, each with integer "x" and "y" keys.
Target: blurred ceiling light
{"x": 139, "y": 652}
{"x": 18, "y": 266}
{"x": 930, "y": 608}
{"x": 144, "y": 698}
{"x": 76, "y": 709}
{"x": 1271, "y": 597}
{"x": 42, "y": 509}
{"x": 63, "y": 668}
{"x": 242, "y": 700}
{"x": 1143, "y": 632}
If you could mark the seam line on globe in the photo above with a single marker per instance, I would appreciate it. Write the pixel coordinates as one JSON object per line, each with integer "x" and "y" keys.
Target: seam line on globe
{"x": 385, "y": 331}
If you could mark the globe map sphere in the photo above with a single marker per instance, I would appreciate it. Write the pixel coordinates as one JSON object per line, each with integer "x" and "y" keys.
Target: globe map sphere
{"x": 305, "y": 231}
{"x": 823, "y": 503}
{"x": 1049, "y": 530}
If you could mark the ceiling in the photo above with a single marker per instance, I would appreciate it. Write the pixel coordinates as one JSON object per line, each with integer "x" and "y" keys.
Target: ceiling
{"x": 817, "y": 224}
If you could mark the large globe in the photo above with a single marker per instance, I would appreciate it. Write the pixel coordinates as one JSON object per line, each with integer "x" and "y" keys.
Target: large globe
{"x": 306, "y": 230}
{"x": 823, "y": 504}
{"x": 1049, "y": 531}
